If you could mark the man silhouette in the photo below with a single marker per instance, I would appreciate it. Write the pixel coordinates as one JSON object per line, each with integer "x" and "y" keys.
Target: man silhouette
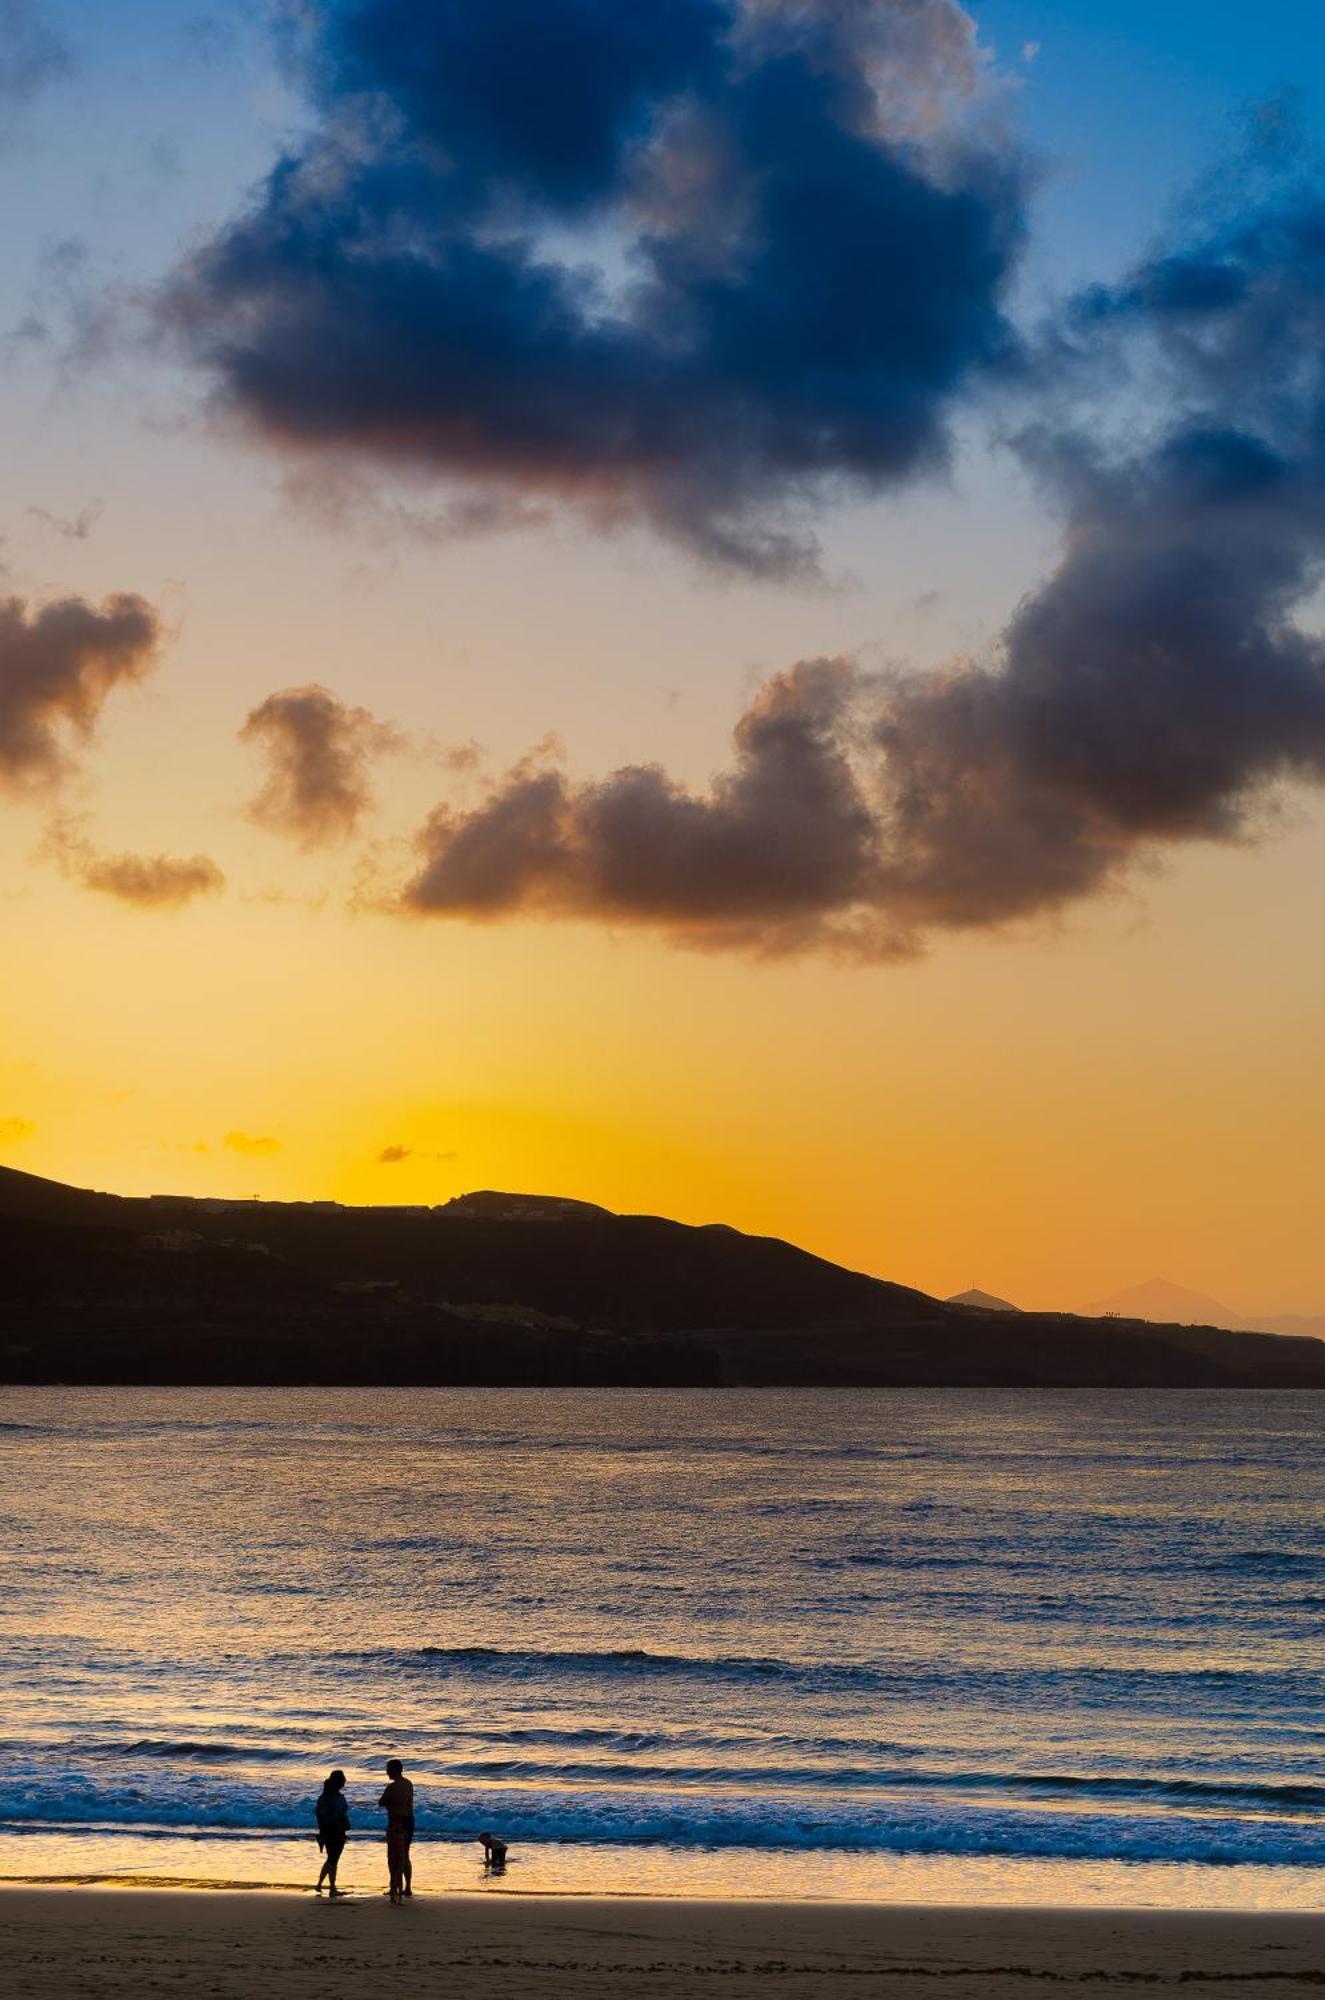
{"x": 397, "y": 1802}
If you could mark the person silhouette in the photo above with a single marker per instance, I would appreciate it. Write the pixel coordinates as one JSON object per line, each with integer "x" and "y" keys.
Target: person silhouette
{"x": 494, "y": 1853}
{"x": 397, "y": 1802}
{"x": 333, "y": 1826}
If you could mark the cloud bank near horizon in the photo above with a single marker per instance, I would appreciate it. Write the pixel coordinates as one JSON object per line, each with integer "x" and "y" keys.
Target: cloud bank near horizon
{"x": 697, "y": 265}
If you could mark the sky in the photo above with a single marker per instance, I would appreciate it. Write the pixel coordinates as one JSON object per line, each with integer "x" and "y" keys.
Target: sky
{"x": 718, "y": 615}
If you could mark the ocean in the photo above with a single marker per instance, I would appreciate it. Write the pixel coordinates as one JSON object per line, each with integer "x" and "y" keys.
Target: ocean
{"x": 1003, "y": 1646}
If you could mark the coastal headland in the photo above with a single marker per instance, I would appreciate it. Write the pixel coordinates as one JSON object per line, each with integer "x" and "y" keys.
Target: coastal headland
{"x": 511, "y": 1290}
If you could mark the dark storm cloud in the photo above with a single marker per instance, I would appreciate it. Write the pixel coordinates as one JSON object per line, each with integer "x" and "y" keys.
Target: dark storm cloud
{"x": 695, "y": 263}
{"x": 1156, "y": 688}
{"x": 550, "y": 95}
{"x": 58, "y": 665}
{"x": 319, "y": 754}
{"x": 145, "y": 881}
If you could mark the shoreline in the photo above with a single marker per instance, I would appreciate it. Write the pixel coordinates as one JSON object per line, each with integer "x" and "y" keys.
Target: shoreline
{"x": 623, "y": 1872}
{"x": 197, "y": 1885}
{"x": 116, "y": 1943}
{"x": 205, "y": 1887}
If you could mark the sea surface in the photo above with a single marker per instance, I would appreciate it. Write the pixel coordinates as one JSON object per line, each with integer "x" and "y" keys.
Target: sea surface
{"x": 1049, "y": 1646}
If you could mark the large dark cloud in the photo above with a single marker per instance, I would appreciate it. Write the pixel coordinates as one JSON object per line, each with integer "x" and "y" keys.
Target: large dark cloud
{"x": 1160, "y": 686}
{"x": 696, "y": 262}
{"x": 58, "y": 665}
{"x": 781, "y": 841}
{"x": 319, "y": 755}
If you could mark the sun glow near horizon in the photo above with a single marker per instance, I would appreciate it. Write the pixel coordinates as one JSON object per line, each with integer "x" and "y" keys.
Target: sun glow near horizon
{"x": 1003, "y": 1109}
{"x": 270, "y": 922}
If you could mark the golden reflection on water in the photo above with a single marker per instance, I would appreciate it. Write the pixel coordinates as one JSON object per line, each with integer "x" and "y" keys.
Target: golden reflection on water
{"x": 447, "y": 1868}
{"x": 902, "y": 1647}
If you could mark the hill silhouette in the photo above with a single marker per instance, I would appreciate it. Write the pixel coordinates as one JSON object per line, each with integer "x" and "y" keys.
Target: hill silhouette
{"x": 1160, "y": 1299}
{"x": 520, "y": 1289}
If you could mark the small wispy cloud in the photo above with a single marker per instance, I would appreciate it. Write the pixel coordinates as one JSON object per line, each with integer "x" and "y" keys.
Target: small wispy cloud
{"x": 73, "y": 527}
{"x": 12, "y": 1129}
{"x": 395, "y": 1156}
{"x": 144, "y": 881}
{"x": 253, "y": 1145}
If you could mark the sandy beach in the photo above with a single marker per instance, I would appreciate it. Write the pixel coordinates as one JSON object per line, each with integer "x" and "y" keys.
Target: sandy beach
{"x": 230, "y": 1946}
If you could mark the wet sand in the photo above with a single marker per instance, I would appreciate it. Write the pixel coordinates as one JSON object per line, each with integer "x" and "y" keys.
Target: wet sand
{"x": 72, "y": 1942}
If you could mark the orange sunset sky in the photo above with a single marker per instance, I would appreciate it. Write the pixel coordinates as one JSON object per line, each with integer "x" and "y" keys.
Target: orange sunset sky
{"x": 1052, "y": 1104}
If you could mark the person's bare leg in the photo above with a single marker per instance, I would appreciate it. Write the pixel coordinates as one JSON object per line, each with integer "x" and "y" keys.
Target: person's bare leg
{"x": 322, "y": 1876}
{"x": 407, "y": 1872}
{"x": 333, "y": 1863}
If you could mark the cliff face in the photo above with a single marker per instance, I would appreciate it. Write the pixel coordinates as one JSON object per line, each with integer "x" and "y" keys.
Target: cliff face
{"x": 510, "y": 1289}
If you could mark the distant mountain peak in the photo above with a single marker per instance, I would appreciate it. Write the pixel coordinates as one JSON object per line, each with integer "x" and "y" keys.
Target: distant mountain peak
{"x": 985, "y": 1301}
{"x": 1175, "y": 1305}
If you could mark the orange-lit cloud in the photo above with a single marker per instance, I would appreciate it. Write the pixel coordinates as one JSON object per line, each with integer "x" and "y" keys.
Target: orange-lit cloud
{"x": 145, "y": 881}
{"x": 12, "y": 1129}
{"x": 319, "y": 754}
{"x": 58, "y": 665}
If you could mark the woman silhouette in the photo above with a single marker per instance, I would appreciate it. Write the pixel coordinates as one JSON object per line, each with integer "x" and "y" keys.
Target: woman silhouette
{"x": 333, "y": 1824}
